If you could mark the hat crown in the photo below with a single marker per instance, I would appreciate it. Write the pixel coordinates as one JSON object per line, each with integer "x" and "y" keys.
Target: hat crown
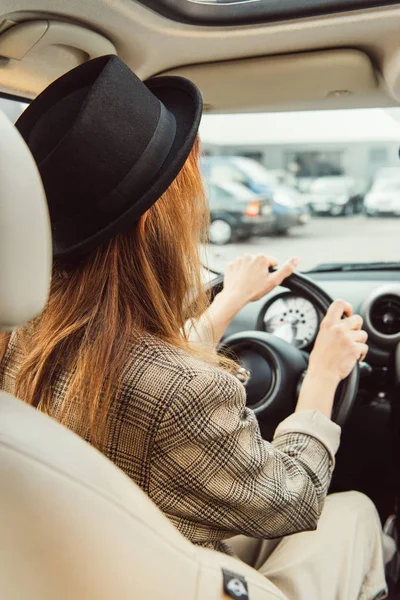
{"x": 107, "y": 145}
{"x": 80, "y": 143}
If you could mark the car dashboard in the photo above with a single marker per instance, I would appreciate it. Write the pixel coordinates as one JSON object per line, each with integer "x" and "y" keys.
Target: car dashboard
{"x": 373, "y": 294}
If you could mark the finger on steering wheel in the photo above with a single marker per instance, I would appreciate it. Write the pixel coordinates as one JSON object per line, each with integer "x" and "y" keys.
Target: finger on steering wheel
{"x": 359, "y": 335}
{"x": 363, "y": 351}
{"x": 336, "y": 311}
{"x": 278, "y": 276}
{"x": 355, "y": 322}
{"x": 271, "y": 261}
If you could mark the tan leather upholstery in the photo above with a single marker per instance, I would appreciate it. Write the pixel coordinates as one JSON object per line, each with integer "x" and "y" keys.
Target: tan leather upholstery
{"x": 72, "y": 526}
{"x": 25, "y": 256}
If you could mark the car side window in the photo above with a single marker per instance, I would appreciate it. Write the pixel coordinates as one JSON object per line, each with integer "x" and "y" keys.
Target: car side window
{"x": 12, "y": 108}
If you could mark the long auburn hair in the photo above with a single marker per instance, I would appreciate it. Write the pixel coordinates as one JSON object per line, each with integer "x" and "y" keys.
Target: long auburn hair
{"x": 145, "y": 280}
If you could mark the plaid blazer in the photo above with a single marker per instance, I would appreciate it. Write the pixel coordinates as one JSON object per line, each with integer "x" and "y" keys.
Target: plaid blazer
{"x": 182, "y": 432}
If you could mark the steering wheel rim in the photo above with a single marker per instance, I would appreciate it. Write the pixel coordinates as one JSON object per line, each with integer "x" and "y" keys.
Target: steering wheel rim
{"x": 347, "y": 390}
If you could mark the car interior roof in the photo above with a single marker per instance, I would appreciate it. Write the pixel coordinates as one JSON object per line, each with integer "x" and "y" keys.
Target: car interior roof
{"x": 343, "y": 60}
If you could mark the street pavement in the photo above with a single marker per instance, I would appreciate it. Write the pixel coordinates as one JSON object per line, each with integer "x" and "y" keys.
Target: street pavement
{"x": 323, "y": 240}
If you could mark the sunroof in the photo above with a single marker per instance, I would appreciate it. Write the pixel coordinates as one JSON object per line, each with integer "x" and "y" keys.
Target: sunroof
{"x": 229, "y": 12}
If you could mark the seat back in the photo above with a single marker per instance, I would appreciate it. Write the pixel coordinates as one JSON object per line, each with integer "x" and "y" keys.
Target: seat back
{"x": 72, "y": 525}
{"x": 25, "y": 241}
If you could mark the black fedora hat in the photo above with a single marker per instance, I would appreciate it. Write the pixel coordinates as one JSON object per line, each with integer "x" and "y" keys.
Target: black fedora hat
{"x": 107, "y": 146}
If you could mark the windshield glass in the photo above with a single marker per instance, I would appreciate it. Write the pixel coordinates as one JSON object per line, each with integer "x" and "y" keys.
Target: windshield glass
{"x": 323, "y": 185}
{"x": 320, "y": 172}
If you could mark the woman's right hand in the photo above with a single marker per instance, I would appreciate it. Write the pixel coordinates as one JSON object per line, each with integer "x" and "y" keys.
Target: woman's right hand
{"x": 339, "y": 345}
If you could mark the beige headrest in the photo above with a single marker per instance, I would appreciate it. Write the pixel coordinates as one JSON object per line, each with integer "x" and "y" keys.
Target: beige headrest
{"x": 25, "y": 237}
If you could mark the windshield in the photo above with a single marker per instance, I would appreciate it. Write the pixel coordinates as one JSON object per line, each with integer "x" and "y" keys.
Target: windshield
{"x": 324, "y": 170}
{"x": 323, "y": 185}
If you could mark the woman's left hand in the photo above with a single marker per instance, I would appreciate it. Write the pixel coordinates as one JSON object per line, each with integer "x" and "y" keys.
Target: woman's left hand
{"x": 249, "y": 278}
{"x": 245, "y": 280}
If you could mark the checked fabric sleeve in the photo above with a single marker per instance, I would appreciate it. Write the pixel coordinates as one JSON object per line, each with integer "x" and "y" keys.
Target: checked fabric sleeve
{"x": 215, "y": 477}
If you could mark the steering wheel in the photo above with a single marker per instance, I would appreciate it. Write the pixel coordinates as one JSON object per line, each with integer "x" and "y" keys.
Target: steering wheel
{"x": 277, "y": 368}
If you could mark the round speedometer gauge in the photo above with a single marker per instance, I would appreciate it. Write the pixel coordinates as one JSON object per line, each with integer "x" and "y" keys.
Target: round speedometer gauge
{"x": 293, "y": 319}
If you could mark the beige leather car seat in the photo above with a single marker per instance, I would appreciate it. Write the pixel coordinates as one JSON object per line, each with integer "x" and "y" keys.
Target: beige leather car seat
{"x": 72, "y": 526}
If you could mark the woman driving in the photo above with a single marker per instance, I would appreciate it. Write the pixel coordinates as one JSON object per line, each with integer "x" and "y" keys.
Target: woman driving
{"x": 124, "y": 353}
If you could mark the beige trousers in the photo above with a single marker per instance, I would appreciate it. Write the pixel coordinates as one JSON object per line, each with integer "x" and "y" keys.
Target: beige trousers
{"x": 342, "y": 560}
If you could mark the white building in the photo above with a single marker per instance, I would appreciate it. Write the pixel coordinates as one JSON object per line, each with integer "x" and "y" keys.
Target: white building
{"x": 352, "y": 142}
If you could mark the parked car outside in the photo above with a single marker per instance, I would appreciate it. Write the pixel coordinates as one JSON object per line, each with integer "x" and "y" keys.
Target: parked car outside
{"x": 287, "y": 210}
{"x": 383, "y": 198}
{"x": 334, "y": 195}
{"x": 237, "y": 213}
{"x": 295, "y": 199}
{"x": 387, "y": 173}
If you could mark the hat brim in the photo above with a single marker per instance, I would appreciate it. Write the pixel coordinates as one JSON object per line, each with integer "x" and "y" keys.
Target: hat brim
{"x": 184, "y": 101}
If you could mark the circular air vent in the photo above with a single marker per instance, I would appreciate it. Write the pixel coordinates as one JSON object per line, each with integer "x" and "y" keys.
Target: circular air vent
{"x": 381, "y": 312}
{"x": 385, "y": 315}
